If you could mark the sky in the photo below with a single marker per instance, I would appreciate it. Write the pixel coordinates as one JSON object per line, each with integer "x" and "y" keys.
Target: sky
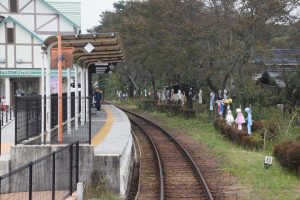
{"x": 90, "y": 11}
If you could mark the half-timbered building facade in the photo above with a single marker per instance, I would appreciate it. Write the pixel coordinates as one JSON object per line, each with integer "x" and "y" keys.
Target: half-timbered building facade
{"x": 24, "y": 25}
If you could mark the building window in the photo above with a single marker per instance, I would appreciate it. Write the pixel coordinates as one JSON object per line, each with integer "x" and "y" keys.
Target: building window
{"x": 10, "y": 35}
{"x": 13, "y": 6}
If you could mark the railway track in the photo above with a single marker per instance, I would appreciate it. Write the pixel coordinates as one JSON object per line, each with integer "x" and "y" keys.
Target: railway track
{"x": 167, "y": 171}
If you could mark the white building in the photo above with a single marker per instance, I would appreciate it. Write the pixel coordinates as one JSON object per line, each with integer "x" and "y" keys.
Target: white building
{"x": 24, "y": 25}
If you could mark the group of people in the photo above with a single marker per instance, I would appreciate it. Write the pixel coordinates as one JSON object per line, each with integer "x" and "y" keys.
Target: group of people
{"x": 222, "y": 103}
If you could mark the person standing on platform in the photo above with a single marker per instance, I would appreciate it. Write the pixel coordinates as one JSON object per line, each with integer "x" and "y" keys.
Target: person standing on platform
{"x": 97, "y": 99}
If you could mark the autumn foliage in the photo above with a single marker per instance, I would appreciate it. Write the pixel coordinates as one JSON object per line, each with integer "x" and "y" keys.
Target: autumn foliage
{"x": 288, "y": 154}
{"x": 240, "y": 137}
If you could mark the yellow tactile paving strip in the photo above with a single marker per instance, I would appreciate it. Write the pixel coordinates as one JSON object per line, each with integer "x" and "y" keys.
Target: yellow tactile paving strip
{"x": 103, "y": 132}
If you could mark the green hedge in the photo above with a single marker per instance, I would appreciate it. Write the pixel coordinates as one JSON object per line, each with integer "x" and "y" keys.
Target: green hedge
{"x": 240, "y": 137}
{"x": 266, "y": 125}
{"x": 147, "y": 104}
{"x": 173, "y": 109}
{"x": 288, "y": 154}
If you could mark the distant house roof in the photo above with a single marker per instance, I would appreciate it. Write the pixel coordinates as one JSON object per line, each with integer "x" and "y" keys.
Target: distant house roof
{"x": 288, "y": 56}
{"x": 70, "y": 9}
{"x": 48, "y": 3}
{"x": 270, "y": 78}
{"x": 11, "y": 19}
{"x": 280, "y": 57}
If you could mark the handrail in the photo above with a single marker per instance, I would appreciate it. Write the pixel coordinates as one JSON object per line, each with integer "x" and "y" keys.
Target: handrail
{"x": 7, "y": 115}
{"x": 36, "y": 161}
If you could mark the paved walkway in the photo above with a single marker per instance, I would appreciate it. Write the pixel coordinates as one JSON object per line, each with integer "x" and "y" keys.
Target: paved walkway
{"x": 112, "y": 142}
{"x": 115, "y": 135}
{"x": 97, "y": 121}
{"x": 81, "y": 134}
{"x": 7, "y": 137}
{"x": 106, "y": 126}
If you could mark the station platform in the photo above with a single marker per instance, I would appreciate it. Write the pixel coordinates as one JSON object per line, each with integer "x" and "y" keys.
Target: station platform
{"x": 113, "y": 147}
{"x": 115, "y": 133}
{"x": 7, "y": 137}
{"x": 111, "y": 153}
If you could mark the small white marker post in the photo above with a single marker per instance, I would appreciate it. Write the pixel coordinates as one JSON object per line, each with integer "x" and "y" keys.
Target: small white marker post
{"x": 268, "y": 162}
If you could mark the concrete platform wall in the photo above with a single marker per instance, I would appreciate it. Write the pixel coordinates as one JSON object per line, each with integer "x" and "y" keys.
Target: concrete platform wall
{"x": 112, "y": 159}
{"x": 115, "y": 169}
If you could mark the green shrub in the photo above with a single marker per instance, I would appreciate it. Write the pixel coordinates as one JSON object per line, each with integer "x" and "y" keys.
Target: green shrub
{"x": 266, "y": 126}
{"x": 98, "y": 188}
{"x": 188, "y": 113}
{"x": 254, "y": 141}
{"x": 146, "y": 104}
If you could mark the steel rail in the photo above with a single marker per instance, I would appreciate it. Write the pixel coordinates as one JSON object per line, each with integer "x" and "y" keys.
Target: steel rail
{"x": 188, "y": 156}
{"x": 140, "y": 155}
{"x": 158, "y": 160}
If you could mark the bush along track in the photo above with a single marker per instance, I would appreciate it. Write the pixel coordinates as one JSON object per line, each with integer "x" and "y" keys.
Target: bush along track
{"x": 288, "y": 154}
{"x": 240, "y": 137}
{"x": 253, "y": 181}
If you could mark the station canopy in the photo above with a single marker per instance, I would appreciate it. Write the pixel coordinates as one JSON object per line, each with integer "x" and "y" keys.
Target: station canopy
{"x": 90, "y": 49}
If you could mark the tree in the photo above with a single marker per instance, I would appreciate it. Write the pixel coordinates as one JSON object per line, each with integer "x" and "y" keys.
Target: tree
{"x": 194, "y": 43}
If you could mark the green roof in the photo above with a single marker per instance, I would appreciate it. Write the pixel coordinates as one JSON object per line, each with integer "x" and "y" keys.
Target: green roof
{"x": 48, "y": 3}
{"x": 72, "y": 10}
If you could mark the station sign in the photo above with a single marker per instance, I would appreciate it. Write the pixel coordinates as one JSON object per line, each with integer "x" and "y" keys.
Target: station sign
{"x": 67, "y": 53}
{"x": 27, "y": 73}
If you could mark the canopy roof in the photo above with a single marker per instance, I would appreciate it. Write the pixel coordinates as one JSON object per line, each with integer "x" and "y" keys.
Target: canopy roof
{"x": 107, "y": 47}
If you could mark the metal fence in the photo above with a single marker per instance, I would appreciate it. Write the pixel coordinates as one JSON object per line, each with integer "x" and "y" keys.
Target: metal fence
{"x": 28, "y": 119}
{"x": 6, "y": 114}
{"x": 53, "y": 176}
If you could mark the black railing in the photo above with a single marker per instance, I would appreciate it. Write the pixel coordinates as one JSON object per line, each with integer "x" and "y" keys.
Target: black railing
{"x": 28, "y": 119}
{"x": 53, "y": 176}
{"x": 6, "y": 114}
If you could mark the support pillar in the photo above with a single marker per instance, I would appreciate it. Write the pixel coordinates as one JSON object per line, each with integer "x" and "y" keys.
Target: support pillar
{"x": 48, "y": 93}
{"x": 60, "y": 97}
{"x": 76, "y": 97}
{"x": 87, "y": 94}
{"x": 7, "y": 91}
{"x": 82, "y": 96}
{"x": 69, "y": 101}
{"x": 43, "y": 98}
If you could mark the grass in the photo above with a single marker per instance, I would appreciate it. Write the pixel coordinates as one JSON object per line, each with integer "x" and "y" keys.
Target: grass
{"x": 98, "y": 188}
{"x": 268, "y": 184}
